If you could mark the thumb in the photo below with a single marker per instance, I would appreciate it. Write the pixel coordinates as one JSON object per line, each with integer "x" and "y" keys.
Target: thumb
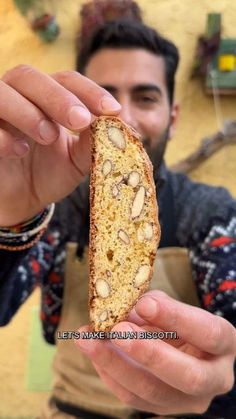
{"x": 80, "y": 151}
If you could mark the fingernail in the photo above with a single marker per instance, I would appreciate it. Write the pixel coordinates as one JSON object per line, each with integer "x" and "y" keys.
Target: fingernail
{"x": 147, "y": 307}
{"x": 123, "y": 341}
{"x": 110, "y": 104}
{"x": 79, "y": 117}
{"x": 48, "y": 131}
{"x": 20, "y": 148}
{"x": 85, "y": 345}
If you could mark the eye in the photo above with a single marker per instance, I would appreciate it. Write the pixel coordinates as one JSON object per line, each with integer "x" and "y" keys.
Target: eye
{"x": 148, "y": 99}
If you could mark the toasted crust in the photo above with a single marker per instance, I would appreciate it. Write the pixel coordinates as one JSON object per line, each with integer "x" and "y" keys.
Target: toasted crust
{"x": 115, "y": 262}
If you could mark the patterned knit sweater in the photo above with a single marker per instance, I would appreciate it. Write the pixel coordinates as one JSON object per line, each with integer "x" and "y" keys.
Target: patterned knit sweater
{"x": 192, "y": 215}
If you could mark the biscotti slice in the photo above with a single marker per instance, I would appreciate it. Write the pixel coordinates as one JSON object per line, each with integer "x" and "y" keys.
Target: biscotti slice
{"x": 124, "y": 228}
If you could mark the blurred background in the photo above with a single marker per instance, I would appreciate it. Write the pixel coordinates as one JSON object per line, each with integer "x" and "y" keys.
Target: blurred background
{"x": 183, "y": 21}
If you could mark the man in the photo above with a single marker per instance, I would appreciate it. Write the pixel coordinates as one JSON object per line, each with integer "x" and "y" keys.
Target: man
{"x": 42, "y": 162}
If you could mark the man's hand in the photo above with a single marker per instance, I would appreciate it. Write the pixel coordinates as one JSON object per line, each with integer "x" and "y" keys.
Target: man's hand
{"x": 41, "y": 161}
{"x": 167, "y": 376}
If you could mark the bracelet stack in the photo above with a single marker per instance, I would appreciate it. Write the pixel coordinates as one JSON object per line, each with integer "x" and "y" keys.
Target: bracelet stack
{"x": 25, "y": 235}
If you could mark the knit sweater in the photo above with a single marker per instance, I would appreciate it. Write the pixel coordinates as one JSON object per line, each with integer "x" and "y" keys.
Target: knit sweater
{"x": 192, "y": 215}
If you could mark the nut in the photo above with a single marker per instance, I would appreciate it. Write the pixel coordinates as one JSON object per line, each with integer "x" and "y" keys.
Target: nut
{"x": 102, "y": 288}
{"x": 142, "y": 275}
{"x": 133, "y": 179}
{"x": 148, "y": 231}
{"x": 114, "y": 190}
{"x": 140, "y": 235}
{"x": 123, "y": 236}
{"x": 103, "y": 316}
{"x": 119, "y": 179}
{"x": 145, "y": 232}
{"x": 108, "y": 273}
{"x": 138, "y": 202}
{"x": 117, "y": 138}
{"x": 107, "y": 167}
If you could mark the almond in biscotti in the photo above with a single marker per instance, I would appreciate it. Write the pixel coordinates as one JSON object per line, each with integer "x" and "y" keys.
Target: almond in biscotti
{"x": 102, "y": 288}
{"x": 107, "y": 167}
{"x": 133, "y": 179}
{"x": 142, "y": 275}
{"x": 145, "y": 232}
{"x": 103, "y": 316}
{"x": 138, "y": 203}
{"x": 116, "y": 137}
{"x": 124, "y": 228}
{"x": 115, "y": 190}
{"x": 123, "y": 236}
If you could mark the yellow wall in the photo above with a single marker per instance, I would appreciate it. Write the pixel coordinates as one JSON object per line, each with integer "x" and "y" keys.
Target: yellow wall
{"x": 180, "y": 20}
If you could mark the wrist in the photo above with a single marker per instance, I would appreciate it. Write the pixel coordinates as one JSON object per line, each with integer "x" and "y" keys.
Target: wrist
{"x": 13, "y": 218}
{"x": 24, "y": 235}
{"x": 24, "y": 225}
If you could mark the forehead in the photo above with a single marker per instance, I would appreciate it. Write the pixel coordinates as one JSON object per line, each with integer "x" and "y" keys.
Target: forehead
{"x": 126, "y": 67}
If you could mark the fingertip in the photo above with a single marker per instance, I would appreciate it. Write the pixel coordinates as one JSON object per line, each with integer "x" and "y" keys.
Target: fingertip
{"x": 48, "y": 131}
{"x": 79, "y": 117}
{"x": 110, "y": 106}
{"x": 20, "y": 148}
{"x": 147, "y": 307}
{"x": 122, "y": 340}
{"x": 135, "y": 318}
{"x": 84, "y": 329}
{"x": 85, "y": 343}
{"x": 122, "y": 327}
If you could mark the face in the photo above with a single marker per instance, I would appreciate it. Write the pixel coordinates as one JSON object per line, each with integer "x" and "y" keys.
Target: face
{"x": 136, "y": 78}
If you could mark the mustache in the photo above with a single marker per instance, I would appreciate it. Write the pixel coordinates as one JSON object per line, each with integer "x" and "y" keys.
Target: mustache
{"x": 146, "y": 142}
{"x": 156, "y": 149}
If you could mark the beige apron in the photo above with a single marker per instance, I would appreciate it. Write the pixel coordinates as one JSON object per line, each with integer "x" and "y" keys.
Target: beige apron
{"x": 76, "y": 382}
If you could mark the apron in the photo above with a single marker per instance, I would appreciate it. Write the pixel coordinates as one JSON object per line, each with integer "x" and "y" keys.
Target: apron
{"x": 75, "y": 380}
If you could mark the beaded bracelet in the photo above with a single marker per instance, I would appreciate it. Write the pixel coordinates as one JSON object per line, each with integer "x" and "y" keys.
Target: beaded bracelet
{"x": 30, "y": 231}
{"x": 25, "y": 226}
{"x": 22, "y": 246}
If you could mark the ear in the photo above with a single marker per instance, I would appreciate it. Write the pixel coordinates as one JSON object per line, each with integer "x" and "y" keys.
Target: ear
{"x": 174, "y": 115}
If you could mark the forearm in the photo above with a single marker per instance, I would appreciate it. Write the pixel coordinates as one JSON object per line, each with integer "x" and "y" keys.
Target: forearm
{"x": 17, "y": 244}
{"x": 9, "y": 263}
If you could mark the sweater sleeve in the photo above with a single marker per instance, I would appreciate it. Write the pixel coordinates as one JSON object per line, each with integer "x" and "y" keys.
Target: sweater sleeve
{"x": 207, "y": 227}
{"x": 206, "y": 220}
{"x": 22, "y": 271}
{"x": 9, "y": 263}
{"x": 43, "y": 264}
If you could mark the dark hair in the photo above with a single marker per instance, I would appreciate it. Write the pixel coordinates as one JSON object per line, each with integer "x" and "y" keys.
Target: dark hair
{"x": 124, "y": 33}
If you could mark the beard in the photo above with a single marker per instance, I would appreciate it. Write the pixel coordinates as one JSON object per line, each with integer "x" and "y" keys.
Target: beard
{"x": 156, "y": 150}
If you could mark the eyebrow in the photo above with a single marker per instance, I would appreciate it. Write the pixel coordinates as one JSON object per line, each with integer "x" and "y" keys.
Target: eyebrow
{"x": 136, "y": 89}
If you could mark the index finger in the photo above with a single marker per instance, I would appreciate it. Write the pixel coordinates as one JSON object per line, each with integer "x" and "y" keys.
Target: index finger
{"x": 202, "y": 329}
{"x": 66, "y": 97}
{"x": 96, "y": 98}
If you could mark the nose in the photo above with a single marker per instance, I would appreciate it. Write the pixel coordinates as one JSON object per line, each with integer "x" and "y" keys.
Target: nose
{"x": 127, "y": 114}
